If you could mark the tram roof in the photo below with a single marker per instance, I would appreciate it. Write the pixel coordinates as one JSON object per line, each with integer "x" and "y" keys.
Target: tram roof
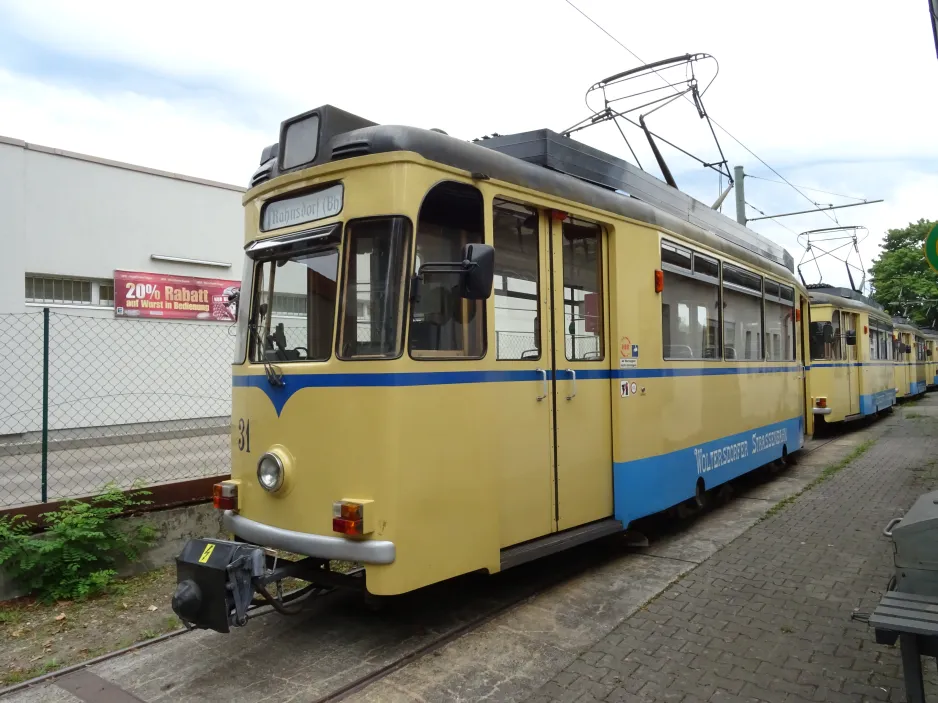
{"x": 906, "y": 324}
{"x": 543, "y": 161}
{"x": 833, "y": 295}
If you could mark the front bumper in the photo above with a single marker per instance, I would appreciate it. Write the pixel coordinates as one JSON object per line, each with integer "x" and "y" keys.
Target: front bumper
{"x": 319, "y": 546}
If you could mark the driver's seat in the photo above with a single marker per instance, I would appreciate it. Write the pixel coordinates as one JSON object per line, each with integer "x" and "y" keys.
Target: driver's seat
{"x": 277, "y": 346}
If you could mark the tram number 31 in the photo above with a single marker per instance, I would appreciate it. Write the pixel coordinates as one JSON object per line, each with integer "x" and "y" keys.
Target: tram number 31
{"x": 244, "y": 435}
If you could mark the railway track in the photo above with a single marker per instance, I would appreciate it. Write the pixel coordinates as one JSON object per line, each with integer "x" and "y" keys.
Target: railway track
{"x": 536, "y": 577}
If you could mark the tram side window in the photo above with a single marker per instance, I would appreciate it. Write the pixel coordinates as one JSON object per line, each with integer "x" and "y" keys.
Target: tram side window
{"x": 742, "y": 314}
{"x": 375, "y": 255}
{"x": 690, "y": 304}
{"x": 875, "y": 336}
{"x": 582, "y": 290}
{"x": 443, "y": 325}
{"x": 515, "y": 237}
{"x": 779, "y": 322}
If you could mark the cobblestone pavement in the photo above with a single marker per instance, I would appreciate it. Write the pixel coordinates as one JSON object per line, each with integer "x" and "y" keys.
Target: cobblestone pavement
{"x": 769, "y": 617}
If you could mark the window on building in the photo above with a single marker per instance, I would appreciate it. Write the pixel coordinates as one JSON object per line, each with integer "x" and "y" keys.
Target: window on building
{"x": 515, "y": 234}
{"x": 62, "y": 290}
{"x": 289, "y": 305}
{"x": 376, "y": 252}
{"x": 742, "y": 314}
{"x": 443, "y": 325}
{"x": 690, "y": 304}
{"x": 106, "y": 294}
{"x": 779, "y": 322}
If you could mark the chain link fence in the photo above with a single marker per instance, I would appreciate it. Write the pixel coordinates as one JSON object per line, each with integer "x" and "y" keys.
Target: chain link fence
{"x": 120, "y": 400}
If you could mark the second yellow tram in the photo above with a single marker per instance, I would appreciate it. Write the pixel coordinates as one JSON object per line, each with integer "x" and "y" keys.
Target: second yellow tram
{"x": 852, "y": 365}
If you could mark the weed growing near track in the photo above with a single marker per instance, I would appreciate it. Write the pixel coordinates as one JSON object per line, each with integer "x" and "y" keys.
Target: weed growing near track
{"x": 825, "y": 475}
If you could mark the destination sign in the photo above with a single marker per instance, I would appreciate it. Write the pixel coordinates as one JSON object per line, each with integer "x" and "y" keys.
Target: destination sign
{"x": 303, "y": 208}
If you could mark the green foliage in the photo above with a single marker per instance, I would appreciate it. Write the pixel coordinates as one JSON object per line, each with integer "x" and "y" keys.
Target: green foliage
{"x": 76, "y": 555}
{"x": 903, "y": 282}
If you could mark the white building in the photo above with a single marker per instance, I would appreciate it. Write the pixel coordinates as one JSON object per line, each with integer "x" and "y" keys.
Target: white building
{"x": 67, "y": 222}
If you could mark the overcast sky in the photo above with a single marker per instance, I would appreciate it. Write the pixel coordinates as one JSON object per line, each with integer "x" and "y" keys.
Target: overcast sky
{"x": 834, "y": 94}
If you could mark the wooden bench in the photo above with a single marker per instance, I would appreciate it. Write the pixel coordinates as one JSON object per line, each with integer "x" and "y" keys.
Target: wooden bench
{"x": 913, "y": 620}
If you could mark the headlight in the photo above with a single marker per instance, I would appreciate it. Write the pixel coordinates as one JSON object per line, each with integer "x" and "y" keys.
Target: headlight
{"x": 270, "y": 472}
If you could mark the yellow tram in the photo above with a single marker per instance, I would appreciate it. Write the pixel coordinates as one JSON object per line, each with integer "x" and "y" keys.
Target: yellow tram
{"x": 931, "y": 360}
{"x": 852, "y": 367}
{"x": 457, "y": 357}
{"x": 909, "y": 345}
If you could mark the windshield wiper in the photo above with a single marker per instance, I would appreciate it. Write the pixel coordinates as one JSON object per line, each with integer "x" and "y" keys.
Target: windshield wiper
{"x": 274, "y": 375}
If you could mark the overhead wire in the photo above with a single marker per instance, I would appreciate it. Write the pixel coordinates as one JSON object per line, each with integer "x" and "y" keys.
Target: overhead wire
{"x": 817, "y": 190}
{"x": 724, "y": 129}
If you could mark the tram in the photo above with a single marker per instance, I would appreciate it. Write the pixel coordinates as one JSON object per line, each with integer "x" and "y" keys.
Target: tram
{"x": 457, "y": 357}
{"x": 910, "y": 359}
{"x": 852, "y": 367}
{"x": 931, "y": 360}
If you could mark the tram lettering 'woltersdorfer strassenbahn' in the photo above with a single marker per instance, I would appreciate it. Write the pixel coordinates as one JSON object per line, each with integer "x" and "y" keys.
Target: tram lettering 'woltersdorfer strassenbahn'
{"x": 457, "y": 357}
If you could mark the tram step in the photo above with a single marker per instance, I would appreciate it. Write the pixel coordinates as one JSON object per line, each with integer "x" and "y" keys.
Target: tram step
{"x": 559, "y": 541}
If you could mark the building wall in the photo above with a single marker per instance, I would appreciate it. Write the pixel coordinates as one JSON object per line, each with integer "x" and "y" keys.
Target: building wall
{"x": 70, "y": 215}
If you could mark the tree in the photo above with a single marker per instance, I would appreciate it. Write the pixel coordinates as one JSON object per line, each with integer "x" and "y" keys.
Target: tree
{"x": 902, "y": 280}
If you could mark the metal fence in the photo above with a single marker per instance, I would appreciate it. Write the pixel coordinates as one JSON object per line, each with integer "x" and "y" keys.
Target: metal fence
{"x": 88, "y": 400}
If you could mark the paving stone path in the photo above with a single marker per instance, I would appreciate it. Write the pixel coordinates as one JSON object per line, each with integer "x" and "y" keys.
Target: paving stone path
{"x": 769, "y": 617}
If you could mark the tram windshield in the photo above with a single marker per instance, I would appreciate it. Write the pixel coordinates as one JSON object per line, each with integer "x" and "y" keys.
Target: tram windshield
{"x": 293, "y": 316}
{"x": 294, "y": 307}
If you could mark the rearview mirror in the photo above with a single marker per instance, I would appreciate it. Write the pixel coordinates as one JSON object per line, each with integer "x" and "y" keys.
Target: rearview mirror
{"x": 478, "y": 262}
{"x": 828, "y": 333}
{"x": 476, "y": 272}
{"x": 908, "y": 348}
{"x": 851, "y": 338}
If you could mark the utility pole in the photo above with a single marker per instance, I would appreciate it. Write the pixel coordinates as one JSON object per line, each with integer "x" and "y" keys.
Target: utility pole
{"x": 738, "y": 177}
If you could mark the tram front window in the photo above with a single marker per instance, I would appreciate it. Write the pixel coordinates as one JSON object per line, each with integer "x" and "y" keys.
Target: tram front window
{"x": 294, "y": 307}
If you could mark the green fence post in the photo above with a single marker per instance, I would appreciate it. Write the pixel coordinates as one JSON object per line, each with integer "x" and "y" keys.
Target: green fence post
{"x": 45, "y": 405}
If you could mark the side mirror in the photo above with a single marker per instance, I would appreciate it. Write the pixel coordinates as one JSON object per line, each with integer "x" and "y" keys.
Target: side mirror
{"x": 851, "y": 338}
{"x": 478, "y": 261}
{"x": 928, "y": 352}
{"x": 476, "y": 272}
{"x": 908, "y": 348}
{"x": 234, "y": 298}
{"x": 828, "y": 333}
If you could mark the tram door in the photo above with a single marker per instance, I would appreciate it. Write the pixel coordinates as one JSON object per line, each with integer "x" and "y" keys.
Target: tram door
{"x": 521, "y": 288}
{"x": 804, "y": 359}
{"x": 851, "y": 357}
{"x": 581, "y": 363}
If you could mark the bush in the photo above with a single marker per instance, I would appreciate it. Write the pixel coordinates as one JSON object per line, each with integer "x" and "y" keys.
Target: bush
{"x": 75, "y": 557}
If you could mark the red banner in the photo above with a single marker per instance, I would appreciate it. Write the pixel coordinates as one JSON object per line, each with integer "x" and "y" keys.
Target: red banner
{"x": 157, "y": 295}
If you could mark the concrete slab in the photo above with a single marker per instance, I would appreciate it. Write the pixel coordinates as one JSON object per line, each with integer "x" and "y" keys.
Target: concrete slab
{"x": 48, "y": 693}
